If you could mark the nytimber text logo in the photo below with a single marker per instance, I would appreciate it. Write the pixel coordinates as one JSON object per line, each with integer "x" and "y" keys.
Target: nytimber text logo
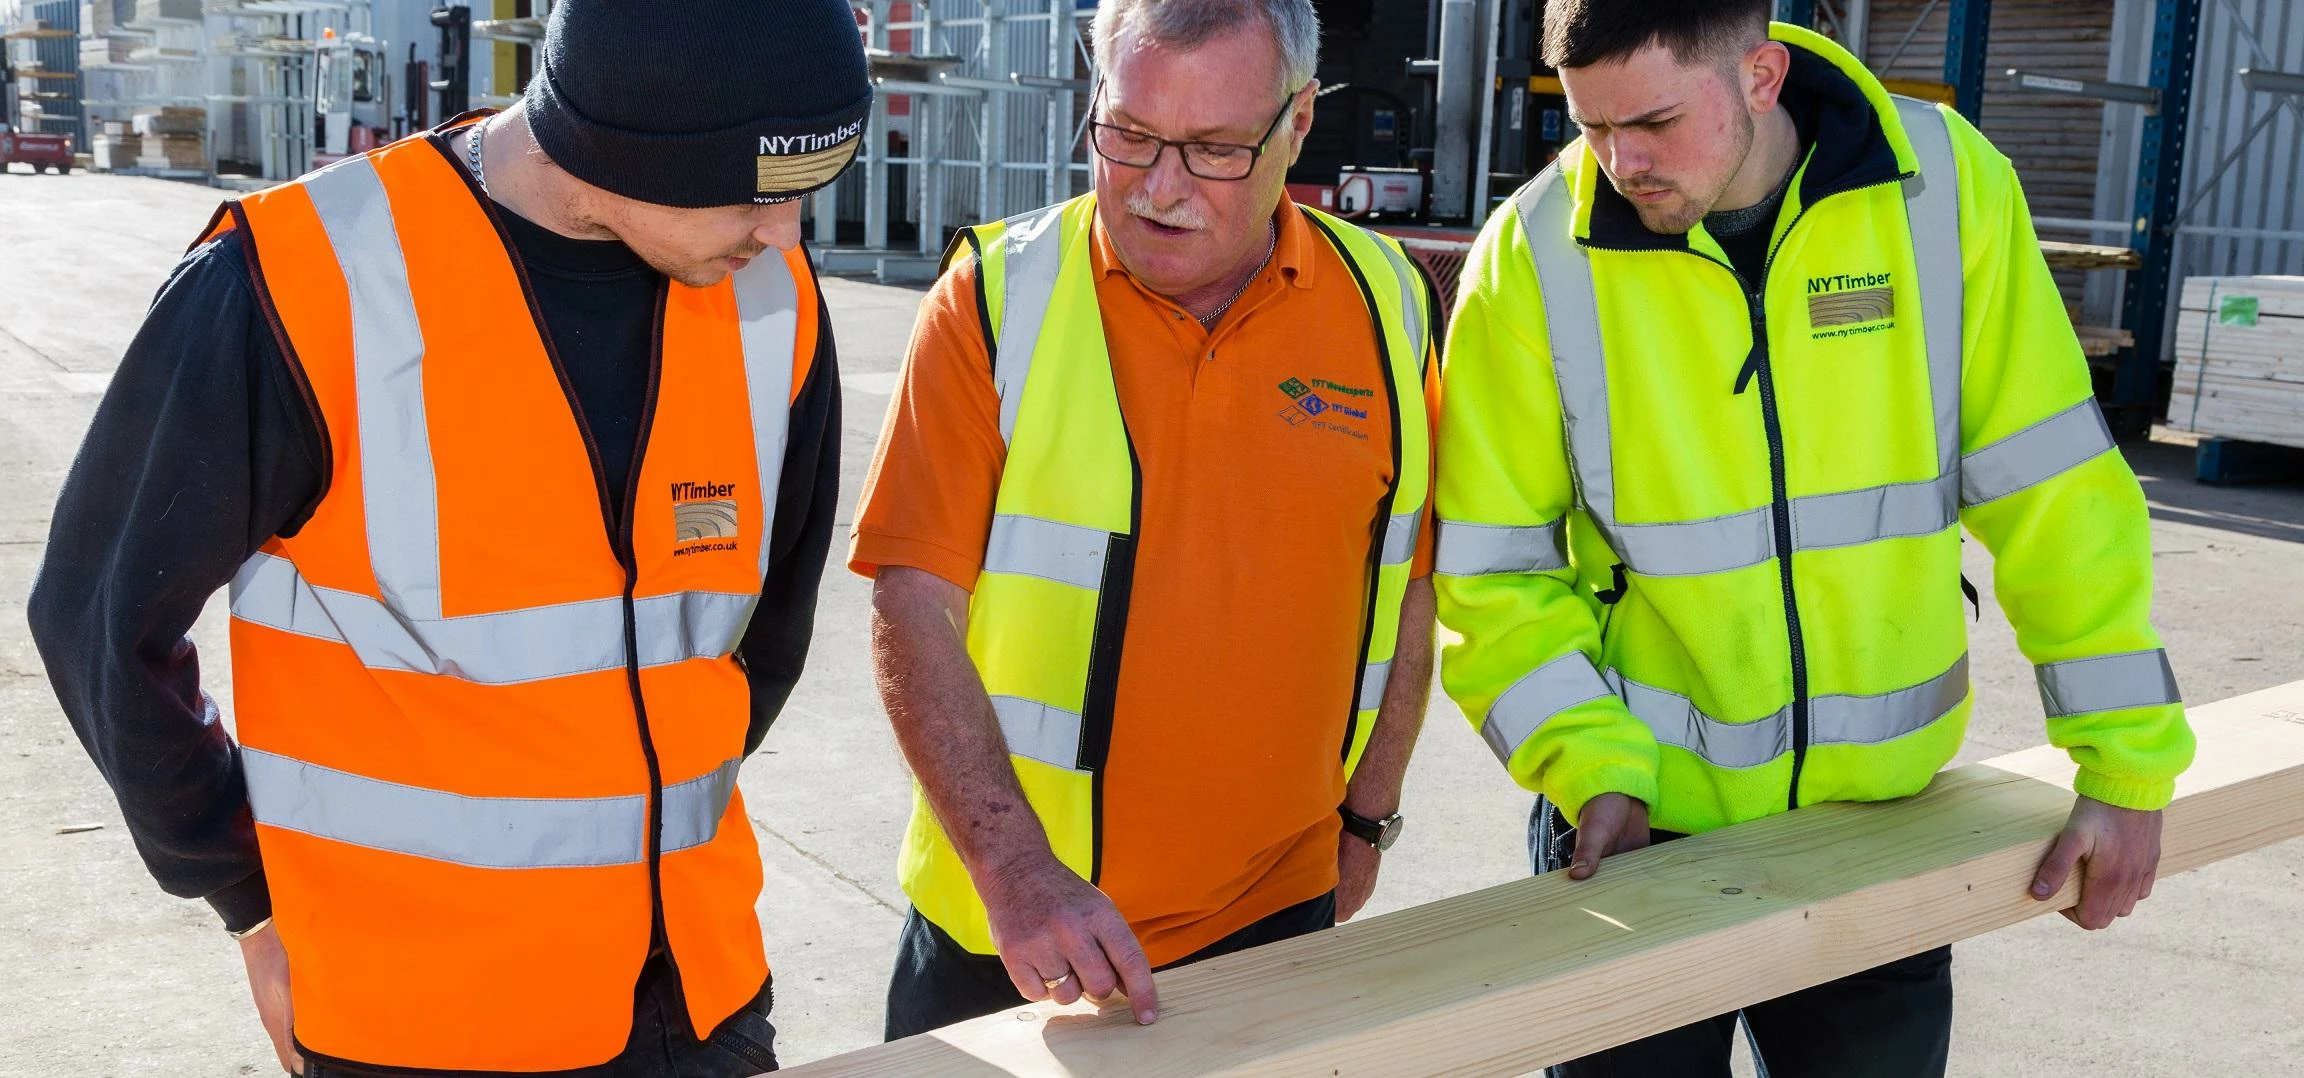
{"x": 1845, "y": 304}
{"x": 703, "y": 517}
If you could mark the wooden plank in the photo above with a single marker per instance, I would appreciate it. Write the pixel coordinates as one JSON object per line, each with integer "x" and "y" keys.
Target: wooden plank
{"x": 2089, "y": 256}
{"x": 2102, "y": 340}
{"x": 1504, "y": 980}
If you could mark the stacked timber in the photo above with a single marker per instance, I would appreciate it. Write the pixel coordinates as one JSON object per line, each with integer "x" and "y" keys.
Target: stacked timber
{"x": 173, "y": 137}
{"x": 2240, "y": 359}
{"x": 114, "y": 150}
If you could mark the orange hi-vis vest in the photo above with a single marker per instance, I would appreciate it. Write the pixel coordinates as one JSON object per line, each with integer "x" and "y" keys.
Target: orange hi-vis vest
{"x": 489, "y": 739}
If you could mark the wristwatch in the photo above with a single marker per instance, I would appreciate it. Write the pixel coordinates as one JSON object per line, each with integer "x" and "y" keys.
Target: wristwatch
{"x": 1378, "y": 833}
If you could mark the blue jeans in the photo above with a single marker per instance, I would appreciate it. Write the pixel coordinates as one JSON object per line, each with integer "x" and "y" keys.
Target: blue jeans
{"x": 1891, "y": 1021}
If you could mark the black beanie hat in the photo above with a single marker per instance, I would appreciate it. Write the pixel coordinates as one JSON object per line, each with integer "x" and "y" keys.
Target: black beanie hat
{"x": 701, "y": 102}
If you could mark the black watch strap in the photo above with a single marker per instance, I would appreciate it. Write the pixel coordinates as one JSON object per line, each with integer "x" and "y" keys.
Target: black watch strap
{"x": 1377, "y": 833}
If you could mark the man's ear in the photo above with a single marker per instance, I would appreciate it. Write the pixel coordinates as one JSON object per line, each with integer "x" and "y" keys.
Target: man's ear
{"x": 1764, "y": 70}
{"x": 1300, "y": 125}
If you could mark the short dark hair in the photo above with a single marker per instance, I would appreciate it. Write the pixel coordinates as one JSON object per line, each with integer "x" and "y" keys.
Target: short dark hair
{"x": 1580, "y": 33}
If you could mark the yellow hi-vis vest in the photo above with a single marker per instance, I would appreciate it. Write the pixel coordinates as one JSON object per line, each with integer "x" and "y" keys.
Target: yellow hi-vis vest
{"x": 1050, "y": 608}
{"x": 1701, "y": 534}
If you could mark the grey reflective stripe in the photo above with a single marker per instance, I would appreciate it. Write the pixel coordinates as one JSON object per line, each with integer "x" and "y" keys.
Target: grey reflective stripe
{"x": 494, "y": 649}
{"x": 1373, "y": 678}
{"x": 692, "y": 809}
{"x": 1035, "y": 252}
{"x": 2036, "y": 454}
{"x": 1572, "y": 325}
{"x": 1412, "y": 311}
{"x": 1400, "y": 536}
{"x": 1892, "y": 511}
{"x": 1819, "y": 522}
{"x": 1542, "y": 693}
{"x": 1461, "y": 549}
{"x": 1932, "y": 206}
{"x": 1693, "y": 547}
{"x": 1832, "y": 720}
{"x": 1038, "y": 731}
{"x": 482, "y": 832}
{"x": 1870, "y": 720}
{"x": 1048, "y": 549}
{"x": 679, "y": 626}
{"x": 2107, "y": 683}
{"x": 768, "y": 324}
{"x": 401, "y": 503}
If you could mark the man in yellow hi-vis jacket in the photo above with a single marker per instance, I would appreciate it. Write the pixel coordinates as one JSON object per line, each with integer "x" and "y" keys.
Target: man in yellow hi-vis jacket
{"x": 1722, "y": 389}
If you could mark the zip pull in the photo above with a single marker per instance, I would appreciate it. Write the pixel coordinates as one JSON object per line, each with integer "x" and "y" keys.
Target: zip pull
{"x": 1752, "y": 302}
{"x": 1615, "y": 593}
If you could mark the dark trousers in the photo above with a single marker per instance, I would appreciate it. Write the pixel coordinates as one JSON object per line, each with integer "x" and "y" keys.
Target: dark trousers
{"x": 1891, "y": 1021}
{"x": 663, "y": 1043}
{"x": 938, "y": 982}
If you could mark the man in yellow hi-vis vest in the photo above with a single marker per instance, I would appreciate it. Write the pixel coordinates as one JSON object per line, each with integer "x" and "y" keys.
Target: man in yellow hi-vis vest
{"x": 1145, "y": 530}
{"x": 1724, "y": 386}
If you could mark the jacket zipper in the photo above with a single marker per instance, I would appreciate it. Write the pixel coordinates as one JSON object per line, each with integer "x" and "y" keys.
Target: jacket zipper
{"x": 620, "y": 539}
{"x": 1757, "y": 367}
{"x": 629, "y": 558}
{"x": 1780, "y": 513}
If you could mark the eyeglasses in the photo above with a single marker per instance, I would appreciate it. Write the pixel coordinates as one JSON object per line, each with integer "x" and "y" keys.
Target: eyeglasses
{"x": 1207, "y": 160}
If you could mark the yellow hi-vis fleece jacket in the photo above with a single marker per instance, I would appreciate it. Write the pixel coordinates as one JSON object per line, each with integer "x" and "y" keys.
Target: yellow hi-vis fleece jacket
{"x": 1701, "y": 534}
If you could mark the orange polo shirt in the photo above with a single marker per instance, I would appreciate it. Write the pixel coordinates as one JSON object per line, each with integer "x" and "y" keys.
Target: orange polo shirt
{"x": 1241, "y": 662}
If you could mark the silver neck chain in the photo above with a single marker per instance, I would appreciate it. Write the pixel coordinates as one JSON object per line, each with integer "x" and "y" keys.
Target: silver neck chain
{"x": 1271, "y": 244}
{"x": 472, "y": 153}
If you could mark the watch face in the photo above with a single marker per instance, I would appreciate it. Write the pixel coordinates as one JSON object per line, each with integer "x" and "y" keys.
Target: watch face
{"x": 1392, "y": 826}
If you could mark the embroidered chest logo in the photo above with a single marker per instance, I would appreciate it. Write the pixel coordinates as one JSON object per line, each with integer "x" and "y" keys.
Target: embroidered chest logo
{"x": 1847, "y": 304}
{"x": 1326, "y": 405}
{"x": 703, "y": 517}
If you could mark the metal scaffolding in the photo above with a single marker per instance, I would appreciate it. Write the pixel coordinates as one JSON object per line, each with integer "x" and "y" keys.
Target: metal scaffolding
{"x": 977, "y": 117}
{"x": 260, "y": 80}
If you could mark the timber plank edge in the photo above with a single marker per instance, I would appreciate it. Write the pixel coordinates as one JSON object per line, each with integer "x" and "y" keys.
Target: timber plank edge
{"x": 1481, "y": 983}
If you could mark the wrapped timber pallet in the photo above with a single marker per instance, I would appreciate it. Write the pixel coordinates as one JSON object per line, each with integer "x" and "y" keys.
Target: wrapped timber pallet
{"x": 2240, "y": 359}
{"x": 174, "y": 152}
{"x": 114, "y": 152}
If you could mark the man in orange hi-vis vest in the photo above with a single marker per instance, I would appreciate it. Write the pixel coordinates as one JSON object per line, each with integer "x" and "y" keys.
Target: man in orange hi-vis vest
{"x": 516, "y": 442}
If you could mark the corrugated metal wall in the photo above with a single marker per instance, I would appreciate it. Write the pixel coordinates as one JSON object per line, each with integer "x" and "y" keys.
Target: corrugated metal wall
{"x": 2242, "y": 210}
{"x": 2256, "y": 139}
{"x": 2055, "y": 141}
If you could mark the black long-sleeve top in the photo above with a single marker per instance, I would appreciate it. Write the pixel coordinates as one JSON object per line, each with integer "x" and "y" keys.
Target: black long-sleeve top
{"x": 204, "y": 448}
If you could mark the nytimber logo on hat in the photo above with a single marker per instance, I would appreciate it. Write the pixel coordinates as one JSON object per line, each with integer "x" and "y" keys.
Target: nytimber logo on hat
{"x": 701, "y": 103}
{"x": 791, "y": 163}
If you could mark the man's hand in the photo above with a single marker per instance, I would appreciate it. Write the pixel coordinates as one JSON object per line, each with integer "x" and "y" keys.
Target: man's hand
{"x": 1610, "y": 824}
{"x": 1062, "y": 939}
{"x": 2120, "y": 851}
{"x": 1356, "y": 866}
{"x": 267, "y": 963}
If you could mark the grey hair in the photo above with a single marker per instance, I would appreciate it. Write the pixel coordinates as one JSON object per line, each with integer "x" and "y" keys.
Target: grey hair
{"x": 1187, "y": 24}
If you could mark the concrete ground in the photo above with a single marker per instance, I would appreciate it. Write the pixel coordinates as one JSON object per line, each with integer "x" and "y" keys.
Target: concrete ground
{"x": 114, "y": 978}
